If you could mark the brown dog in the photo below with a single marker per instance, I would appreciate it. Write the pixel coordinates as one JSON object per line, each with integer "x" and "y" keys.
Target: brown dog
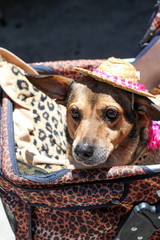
{"x": 106, "y": 126}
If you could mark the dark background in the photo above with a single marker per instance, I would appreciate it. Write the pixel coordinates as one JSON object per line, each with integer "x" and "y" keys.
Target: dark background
{"x": 44, "y": 30}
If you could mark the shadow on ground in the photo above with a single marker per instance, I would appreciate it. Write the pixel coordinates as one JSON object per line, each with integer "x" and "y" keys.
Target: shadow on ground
{"x": 55, "y": 30}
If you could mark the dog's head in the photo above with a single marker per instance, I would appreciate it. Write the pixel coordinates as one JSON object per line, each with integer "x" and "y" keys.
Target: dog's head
{"x": 105, "y": 124}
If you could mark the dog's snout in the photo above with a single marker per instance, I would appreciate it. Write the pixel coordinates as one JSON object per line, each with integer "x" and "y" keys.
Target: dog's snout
{"x": 89, "y": 154}
{"x": 84, "y": 151}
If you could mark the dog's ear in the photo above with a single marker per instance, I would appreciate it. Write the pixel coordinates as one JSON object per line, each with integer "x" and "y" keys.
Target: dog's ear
{"x": 148, "y": 107}
{"x": 54, "y": 86}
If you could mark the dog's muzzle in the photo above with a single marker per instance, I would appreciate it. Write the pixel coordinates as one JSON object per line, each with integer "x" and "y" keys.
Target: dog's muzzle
{"x": 88, "y": 154}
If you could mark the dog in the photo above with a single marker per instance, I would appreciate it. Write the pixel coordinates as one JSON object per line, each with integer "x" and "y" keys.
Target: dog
{"x": 107, "y": 122}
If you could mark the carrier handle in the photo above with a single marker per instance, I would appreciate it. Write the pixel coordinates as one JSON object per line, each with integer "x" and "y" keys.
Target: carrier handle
{"x": 142, "y": 222}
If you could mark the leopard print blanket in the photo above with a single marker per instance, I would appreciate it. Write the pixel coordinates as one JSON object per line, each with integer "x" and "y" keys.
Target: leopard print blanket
{"x": 39, "y": 123}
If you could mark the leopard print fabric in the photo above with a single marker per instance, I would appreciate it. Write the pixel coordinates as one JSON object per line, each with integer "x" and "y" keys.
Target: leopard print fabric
{"x": 48, "y": 135}
{"x": 49, "y": 120}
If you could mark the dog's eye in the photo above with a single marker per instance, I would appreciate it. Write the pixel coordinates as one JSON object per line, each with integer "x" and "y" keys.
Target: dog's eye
{"x": 75, "y": 114}
{"x": 111, "y": 114}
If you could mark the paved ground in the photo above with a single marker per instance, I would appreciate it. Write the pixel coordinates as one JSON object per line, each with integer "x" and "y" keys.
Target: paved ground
{"x": 5, "y": 229}
{"x": 55, "y": 30}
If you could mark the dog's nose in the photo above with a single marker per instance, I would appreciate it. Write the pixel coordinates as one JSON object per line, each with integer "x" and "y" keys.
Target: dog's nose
{"x": 84, "y": 151}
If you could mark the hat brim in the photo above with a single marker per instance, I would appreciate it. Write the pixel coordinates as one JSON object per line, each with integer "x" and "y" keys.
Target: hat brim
{"x": 114, "y": 84}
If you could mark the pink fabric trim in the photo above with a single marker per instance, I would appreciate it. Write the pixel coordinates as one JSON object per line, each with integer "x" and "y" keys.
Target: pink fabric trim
{"x": 122, "y": 81}
{"x": 154, "y": 135}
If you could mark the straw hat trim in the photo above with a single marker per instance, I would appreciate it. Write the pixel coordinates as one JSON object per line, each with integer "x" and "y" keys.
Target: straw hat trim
{"x": 123, "y": 83}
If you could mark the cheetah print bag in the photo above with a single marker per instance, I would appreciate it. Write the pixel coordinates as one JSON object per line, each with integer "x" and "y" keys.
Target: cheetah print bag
{"x": 43, "y": 202}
